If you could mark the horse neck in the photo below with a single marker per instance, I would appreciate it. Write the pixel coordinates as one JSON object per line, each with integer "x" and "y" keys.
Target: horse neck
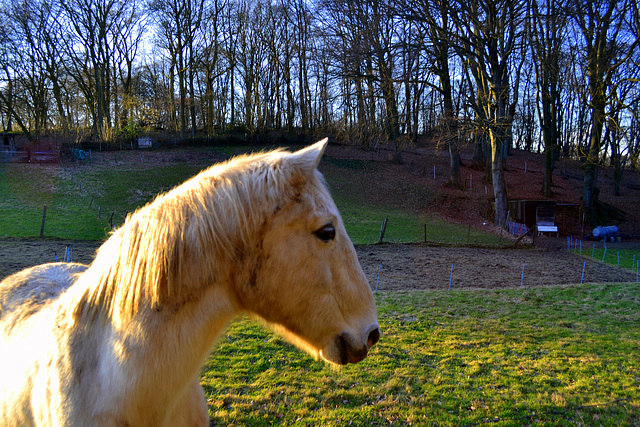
{"x": 160, "y": 291}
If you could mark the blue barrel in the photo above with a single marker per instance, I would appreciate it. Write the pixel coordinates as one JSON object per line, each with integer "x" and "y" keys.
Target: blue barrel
{"x": 604, "y": 232}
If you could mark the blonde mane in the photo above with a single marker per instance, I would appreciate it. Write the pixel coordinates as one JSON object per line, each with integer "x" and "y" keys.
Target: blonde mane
{"x": 216, "y": 215}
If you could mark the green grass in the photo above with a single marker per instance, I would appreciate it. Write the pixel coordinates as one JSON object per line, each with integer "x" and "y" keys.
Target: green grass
{"x": 555, "y": 356}
{"x": 364, "y": 225}
{"x": 25, "y": 189}
{"x": 127, "y": 190}
{"x": 81, "y": 204}
{"x": 623, "y": 258}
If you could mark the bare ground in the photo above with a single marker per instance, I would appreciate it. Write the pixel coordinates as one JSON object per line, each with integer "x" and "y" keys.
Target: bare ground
{"x": 402, "y": 267}
{"x": 405, "y": 267}
{"x": 18, "y": 254}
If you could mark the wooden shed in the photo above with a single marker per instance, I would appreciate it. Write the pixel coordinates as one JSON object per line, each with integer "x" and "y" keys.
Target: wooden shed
{"x": 539, "y": 213}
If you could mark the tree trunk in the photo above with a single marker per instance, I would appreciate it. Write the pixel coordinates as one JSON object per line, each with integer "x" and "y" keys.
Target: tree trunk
{"x": 172, "y": 98}
{"x": 497, "y": 178}
{"x": 450, "y": 124}
{"x": 192, "y": 92}
{"x": 589, "y": 194}
{"x": 232, "y": 95}
{"x": 479, "y": 149}
{"x": 548, "y": 171}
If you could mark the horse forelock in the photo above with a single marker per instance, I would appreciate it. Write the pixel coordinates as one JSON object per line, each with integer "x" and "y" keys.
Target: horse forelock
{"x": 168, "y": 251}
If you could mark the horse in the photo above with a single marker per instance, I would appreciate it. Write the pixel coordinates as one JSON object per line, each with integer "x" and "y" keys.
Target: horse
{"x": 120, "y": 342}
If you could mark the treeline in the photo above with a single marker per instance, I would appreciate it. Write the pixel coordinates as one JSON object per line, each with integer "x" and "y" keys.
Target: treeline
{"x": 554, "y": 76}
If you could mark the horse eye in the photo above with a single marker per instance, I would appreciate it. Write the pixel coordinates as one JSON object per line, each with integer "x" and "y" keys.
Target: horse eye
{"x": 326, "y": 233}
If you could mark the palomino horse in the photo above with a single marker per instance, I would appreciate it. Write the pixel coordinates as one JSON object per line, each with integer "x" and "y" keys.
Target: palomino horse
{"x": 120, "y": 342}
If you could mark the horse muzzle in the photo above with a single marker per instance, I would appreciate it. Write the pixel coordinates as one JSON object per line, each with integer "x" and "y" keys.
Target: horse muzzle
{"x": 347, "y": 349}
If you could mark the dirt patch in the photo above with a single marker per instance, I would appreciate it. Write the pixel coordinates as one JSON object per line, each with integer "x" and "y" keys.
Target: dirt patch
{"x": 402, "y": 267}
{"x": 18, "y": 254}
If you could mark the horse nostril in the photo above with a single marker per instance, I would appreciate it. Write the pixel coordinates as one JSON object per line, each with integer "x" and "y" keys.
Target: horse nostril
{"x": 374, "y": 336}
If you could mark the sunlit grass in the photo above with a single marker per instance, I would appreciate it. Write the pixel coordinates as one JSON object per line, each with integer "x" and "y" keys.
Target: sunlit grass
{"x": 24, "y": 191}
{"x": 364, "y": 225}
{"x": 557, "y": 356}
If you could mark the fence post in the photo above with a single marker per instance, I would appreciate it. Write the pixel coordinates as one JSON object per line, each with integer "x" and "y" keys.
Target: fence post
{"x": 383, "y": 229}
{"x": 44, "y": 214}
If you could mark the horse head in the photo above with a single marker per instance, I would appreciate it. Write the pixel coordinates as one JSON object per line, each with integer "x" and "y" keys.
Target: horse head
{"x": 305, "y": 279}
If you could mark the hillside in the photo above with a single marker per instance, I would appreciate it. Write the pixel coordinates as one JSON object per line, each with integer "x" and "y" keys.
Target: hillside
{"x": 413, "y": 185}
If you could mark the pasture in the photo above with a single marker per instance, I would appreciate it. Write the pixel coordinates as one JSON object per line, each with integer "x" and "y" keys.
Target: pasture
{"x": 549, "y": 356}
{"x": 554, "y": 352}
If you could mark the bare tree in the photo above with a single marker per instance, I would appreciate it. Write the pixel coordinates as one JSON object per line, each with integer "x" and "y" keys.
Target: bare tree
{"x": 130, "y": 31}
{"x": 364, "y": 38}
{"x": 9, "y": 107}
{"x": 93, "y": 30}
{"x": 27, "y": 96}
{"x": 299, "y": 15}
{"x": 607, "y": 44}
{"x": 381, "y": 30}
{"x": 349, "y": 50}
{"x": 178, "y": 23}
{"x": 489, "y": 41}
{"x": 545, "y": 26}
{"x": 35, "y": 26}
{"x": 250, "y": 59}
{"x": 620, "y": 124}
{"x": 433, "y": 16}
{"x": 210, "y": 61}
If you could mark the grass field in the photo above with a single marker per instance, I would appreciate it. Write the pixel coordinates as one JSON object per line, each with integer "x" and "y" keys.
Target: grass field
{"x": 83, "y": 203}
{"x": 623, "y": 258}
{"x": 352, "y": 184}
{"x": 550, "y": 356}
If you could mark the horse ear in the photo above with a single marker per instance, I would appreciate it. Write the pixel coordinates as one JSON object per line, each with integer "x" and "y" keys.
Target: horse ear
{"x": 307, "y": 159}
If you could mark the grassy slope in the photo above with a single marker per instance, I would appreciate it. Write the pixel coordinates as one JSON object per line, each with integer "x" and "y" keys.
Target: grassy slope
{"x": 81, "y": 201}
{"x": 353, "y": 187}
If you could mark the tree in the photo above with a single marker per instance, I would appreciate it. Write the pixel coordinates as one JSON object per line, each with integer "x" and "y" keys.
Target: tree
{"x": 178, "y": 22}
{"x": 348, "y": 49}
{"x": 93, "y": 29}
{"x": 250, "y": 57}
{"x": 295, "y": 46}
{"x": 10, "y": 64}
{"x": 210, "y": 61}
{"x": 38, "y": 59}
{"x": 301, "y": 19}
{"x": 129, "y": 31}
{"x": 607, "y": 44}
{"x": 489, "y": 36}
{"x": 381, "y": 30}
{"x": 364, "y": 40}
{"x": 544, "y": 29}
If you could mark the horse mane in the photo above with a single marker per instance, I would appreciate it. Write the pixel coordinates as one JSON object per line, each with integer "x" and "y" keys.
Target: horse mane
{"x": 166, "y": 250}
